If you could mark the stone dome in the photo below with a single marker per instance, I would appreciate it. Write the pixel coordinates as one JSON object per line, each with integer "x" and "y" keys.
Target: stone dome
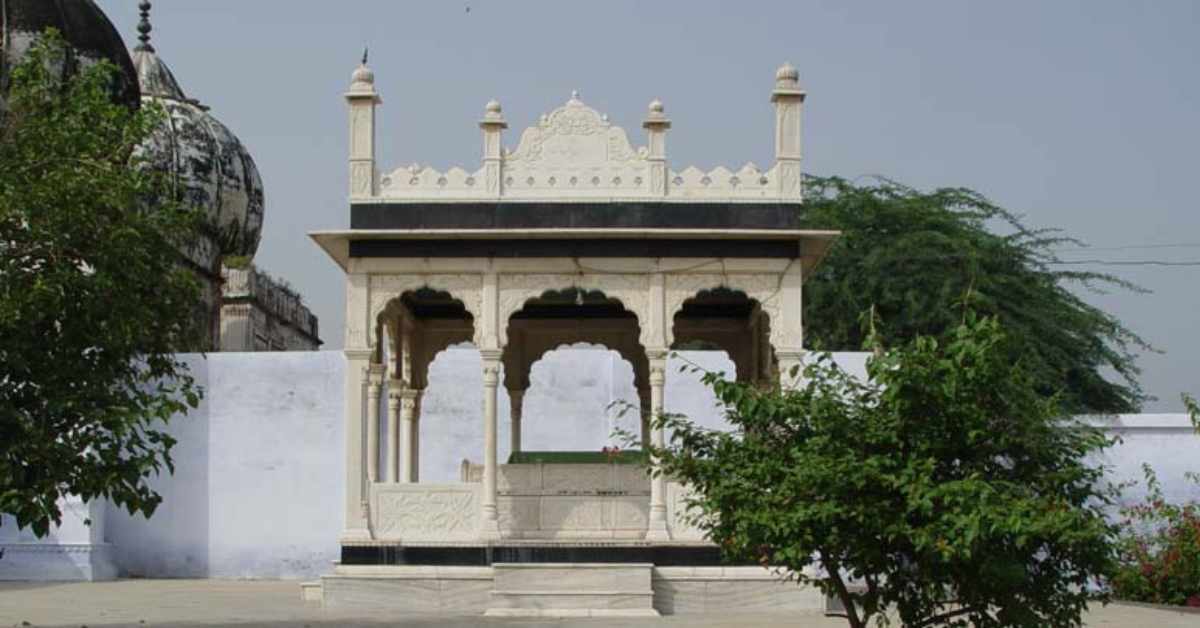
{"x": 208, "y": 165}
{"x": 91, "y": 37}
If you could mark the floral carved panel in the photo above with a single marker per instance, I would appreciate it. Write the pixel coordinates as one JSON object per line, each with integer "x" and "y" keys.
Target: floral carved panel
{"x": 425, "y": 512}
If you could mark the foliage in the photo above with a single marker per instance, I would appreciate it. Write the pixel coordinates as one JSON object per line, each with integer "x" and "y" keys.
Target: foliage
{"x": 1160, "y": 549}
{"x": 912, "y": 254}
{"x": 94, "y": 301}
{"x": 947, "y": 490}
{"x": 1160, "y": 543}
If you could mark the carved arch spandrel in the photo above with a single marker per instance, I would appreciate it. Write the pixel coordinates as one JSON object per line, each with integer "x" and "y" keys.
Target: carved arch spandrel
{"x": 466, "y": 288}
{"x": 633, "y": 291}
{"x": 765, "y": 289}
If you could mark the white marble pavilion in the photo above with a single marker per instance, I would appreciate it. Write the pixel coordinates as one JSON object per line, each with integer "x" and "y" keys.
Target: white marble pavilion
{"x": 573, "y": 235}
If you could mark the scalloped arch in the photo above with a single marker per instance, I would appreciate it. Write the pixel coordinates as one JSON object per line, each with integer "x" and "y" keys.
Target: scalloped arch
{"x": 631, "y": 290}
{"x": 384, "y": 289}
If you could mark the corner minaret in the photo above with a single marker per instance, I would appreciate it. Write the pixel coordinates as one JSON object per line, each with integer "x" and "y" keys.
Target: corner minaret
{"x": 789, "y": 100}
{"x": 493, "y": 125}
{"x": 656, "y": 125}
{"x": 363, "y": 99}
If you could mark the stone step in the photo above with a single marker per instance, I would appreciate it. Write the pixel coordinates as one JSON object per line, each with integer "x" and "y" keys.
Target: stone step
{"x": 572, "y": 589}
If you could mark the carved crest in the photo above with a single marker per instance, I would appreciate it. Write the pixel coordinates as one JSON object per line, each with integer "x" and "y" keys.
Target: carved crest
{"x": 573, "y": 136}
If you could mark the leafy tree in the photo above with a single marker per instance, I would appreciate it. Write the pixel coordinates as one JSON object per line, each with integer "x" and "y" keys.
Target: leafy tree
{"x": 94, "y": 301}
{"x": 946, "y": 490}
{"x": 912, "y": 254}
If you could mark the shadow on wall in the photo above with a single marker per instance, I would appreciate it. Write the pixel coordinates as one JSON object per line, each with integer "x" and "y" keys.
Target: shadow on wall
{"x": 174, "y": 541}
{"x": 258, "y": 489}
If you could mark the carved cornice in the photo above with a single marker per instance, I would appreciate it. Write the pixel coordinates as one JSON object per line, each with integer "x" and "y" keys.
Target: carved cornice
{"x": 574, "y": 152}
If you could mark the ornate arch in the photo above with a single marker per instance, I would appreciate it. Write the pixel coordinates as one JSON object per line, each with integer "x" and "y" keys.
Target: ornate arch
{"x": 468, "y": 289}
{"x": 765, "y": 289}
{"x": 631, "y": 290}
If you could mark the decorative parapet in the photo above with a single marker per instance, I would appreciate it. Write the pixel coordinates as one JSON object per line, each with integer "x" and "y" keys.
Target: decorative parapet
{"x": 575, "y": 153}
{"x": 249, "y": 284}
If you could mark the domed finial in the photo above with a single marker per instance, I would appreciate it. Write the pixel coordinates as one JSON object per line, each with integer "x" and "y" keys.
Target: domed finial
{"x": 144, "y": 28}
{"x": 787, "y": 72}
{"x": 574, "y": 96}
{"x": 655, "y": 118}
{"x": 787, "y": 83}
{"x": 363, "y": 79}
{"x": 493, "y": 115}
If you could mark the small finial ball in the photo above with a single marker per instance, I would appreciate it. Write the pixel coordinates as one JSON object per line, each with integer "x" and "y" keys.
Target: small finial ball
{"x": 656, "y": 106}
{"x": 493, "y": 106}
{"x": 787, "y": 73}
{"x": 363, "y": 76}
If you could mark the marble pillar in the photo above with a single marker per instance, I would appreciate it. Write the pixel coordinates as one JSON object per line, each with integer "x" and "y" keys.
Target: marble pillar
{"x": 393, "y": 432}
{"x": 408, "y": 407}
{"x": 489, "y": 521}
{"x": 657, "y": 527}
{"x": 516, "y": 400}
{"x": 374, "y": 390}
{"x": 357, "y": 516}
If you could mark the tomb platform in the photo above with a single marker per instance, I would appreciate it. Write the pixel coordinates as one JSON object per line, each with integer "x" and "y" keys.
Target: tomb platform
{"x": 572, "y": 543}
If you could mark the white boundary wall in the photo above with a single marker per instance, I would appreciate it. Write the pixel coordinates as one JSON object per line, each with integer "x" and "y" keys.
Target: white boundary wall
{"x": 258, "y": 489}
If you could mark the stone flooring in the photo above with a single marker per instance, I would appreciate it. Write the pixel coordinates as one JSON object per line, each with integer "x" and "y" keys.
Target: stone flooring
{"x": 269, "y": 603}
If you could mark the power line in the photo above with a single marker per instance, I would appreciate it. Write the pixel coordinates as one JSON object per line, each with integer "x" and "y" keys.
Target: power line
{"x": 1101, "y": 262}
{"x": 1179, "y": 245}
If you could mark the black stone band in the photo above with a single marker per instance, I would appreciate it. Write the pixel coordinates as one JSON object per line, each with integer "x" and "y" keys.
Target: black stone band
{"x": 486, "y": 555}
{"x": 778, "y": 249}
{"x": 584, "y": 215}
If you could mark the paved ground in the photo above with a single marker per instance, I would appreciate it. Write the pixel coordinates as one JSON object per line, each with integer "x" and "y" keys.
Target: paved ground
{"x": 255, "y": 603}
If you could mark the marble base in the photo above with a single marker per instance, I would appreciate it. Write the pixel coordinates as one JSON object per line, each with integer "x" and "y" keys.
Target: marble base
{"x": 477, "y": 590}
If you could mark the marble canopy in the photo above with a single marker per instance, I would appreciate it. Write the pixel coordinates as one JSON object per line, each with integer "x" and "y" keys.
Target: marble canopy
{"x": 573, "y": 235}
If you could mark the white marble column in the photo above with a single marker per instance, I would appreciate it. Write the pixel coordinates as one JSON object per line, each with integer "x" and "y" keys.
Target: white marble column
{"x": 489, "y": 521}
{"x": 644, "y": 401}
{"x": 416, "y": 436}
{"x": 357, "y": 521}
{"x": 657, "y": 527}
{"x": 516, "y": 400}
{"x": 393, "y": 432}
{"x": 374, "y": 390}
{"x": 408, "y": 407}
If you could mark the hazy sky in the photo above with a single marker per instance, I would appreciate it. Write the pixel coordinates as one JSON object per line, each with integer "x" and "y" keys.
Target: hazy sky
{"x": 1076, "y": 114}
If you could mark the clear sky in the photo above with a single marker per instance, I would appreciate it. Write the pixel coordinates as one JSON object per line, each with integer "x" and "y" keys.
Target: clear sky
{"x": 1079, "y": 114}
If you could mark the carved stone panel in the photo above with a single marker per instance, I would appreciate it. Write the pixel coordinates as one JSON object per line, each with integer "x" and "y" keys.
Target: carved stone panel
{"x": 412, "y": 512}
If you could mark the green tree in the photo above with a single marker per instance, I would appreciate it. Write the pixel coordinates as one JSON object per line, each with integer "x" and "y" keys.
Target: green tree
{"x": 912, "y": 254}
{"x": 946, "y": 490}
{"x": 94, "y": 301}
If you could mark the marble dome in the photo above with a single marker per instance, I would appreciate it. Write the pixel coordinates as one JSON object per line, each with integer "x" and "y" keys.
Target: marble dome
{"x": 208, "y": 165}
{"x": 89, "y": 33}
